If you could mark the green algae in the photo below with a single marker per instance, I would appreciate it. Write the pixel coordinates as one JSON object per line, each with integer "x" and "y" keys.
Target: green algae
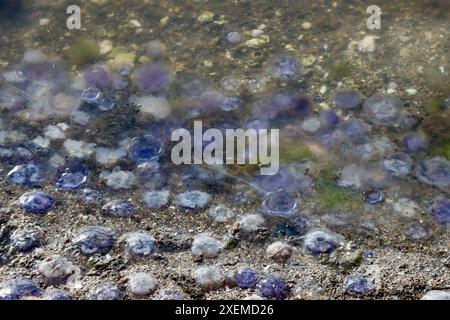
{"x": 293, "y": 151}
{"x": 435, "y": 105}
{"x": 339, "y": 71}
{"x": 84, "y": 51}
{"x": 333, "y": 196}
{"x": 442, "y": 149}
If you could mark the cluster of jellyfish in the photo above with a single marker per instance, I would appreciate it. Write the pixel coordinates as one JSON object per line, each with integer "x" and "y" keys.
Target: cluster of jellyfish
{"x": 39, "y": 92}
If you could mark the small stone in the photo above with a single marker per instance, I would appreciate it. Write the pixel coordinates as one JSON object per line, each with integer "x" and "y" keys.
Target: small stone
{"x": 204, "y": 246}
{"x": 44, "y": 22}
{"x": 274, "y": 288}
{"x": 141, "y": 284}
{"x": 279, "y": 251}
{"x": 105, "y": 46}
{"x": 306, "y": 25}
{"x": 135, "y": 23}
{"x": 94, "y": 239}
{"x": 36, "y": 202}
{"x": 209, "y": 278}
{"x": 119, "y": 208}
{"x": 205, "y": 16}
{"x": 105, "y": 291}
{"x": 411, "y": 91}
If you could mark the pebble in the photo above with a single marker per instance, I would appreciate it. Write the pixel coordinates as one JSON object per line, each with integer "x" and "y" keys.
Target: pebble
{"x": 279, "y": 251}
{"x": 105, "y": 46}
{"x": 205, "y": 16}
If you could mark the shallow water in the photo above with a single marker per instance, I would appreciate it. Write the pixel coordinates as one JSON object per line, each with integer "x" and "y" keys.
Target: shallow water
{"x": 87, "y": 116}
